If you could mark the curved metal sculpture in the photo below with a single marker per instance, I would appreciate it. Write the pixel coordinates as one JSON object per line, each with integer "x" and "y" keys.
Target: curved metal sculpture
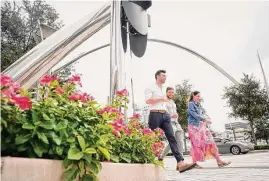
{"x": 39, "y": 60}
{"x": 214, "y": 65}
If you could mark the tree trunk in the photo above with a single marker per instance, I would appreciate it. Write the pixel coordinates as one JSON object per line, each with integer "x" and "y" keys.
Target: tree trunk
{"x": 252, "y": 132}
{"x": 266, "y": 141}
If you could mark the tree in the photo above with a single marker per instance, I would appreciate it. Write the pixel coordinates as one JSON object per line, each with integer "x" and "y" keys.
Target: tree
{"x": 248, "y": 101}
{"x": 19, "y": 24}
{"x": 182, "y": 93}
{"x": 262, "y": 130}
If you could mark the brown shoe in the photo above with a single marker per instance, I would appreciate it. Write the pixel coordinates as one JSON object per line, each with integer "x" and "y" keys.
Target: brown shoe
{"x": 186, "y": 167}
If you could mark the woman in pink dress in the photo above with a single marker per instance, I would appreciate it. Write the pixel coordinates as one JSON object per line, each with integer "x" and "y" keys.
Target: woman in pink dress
{"x": 202, "y": 143}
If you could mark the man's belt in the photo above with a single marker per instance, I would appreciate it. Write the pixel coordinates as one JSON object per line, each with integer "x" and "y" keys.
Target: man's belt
{"x": 159, "y": 111}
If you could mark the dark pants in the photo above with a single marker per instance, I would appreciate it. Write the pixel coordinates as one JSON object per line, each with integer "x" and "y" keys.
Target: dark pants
{"x": 163, "y": 121}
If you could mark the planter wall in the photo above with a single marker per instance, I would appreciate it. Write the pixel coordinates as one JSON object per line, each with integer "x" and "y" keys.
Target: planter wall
{"x": 26, "y": 169}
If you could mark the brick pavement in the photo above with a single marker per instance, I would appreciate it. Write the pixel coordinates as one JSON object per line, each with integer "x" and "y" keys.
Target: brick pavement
{"x": 252, "y": 166}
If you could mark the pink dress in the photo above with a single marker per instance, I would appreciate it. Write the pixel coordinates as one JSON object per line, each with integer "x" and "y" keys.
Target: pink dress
{"x": 203, "y": 145}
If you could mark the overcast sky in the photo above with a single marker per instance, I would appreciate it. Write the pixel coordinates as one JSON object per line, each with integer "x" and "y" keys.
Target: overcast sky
{"x": 228, "y": 33}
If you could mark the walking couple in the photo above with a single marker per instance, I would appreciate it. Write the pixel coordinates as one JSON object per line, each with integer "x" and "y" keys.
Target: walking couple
{"x": 163, "y": 109}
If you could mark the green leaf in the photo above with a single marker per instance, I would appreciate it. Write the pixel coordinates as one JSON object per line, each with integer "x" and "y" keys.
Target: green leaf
{"x": 59, "y": 150}
{"x": 46, "y": 117}
{"x": 28, "y": 126}
{"x": 88, "y": 158}
{"x": 39, "y": 148}
{"x": 37, "y": 123}
{"x": 81, "y": 142}
{"x": 67, "y": 163}
{"x": 135, "y": 158}
{"x": 70, "y": 140}
{"x": 74, "y": 154}
{"x": 54, "y": 83}
{"x": 87, "y": 177}
{"x": 20, "y": 139}
{"x": 42, "y": 137}
{"x": 81, "y": 164}
{"x": 4, "y": 122}
{"x": 103, "y": 140}
{"x": 90, "y": 151}
{"x": 114, "y": 158}
{"x": 8, "y": 139}
{"x": 105, "y": 152}
{"x": 93, "y": 166}
{"x": 126, "y": 157}
{"x": 34, "y": 116}
{"x": 70, "y": 174}
{"x": 8, "y": 108}
{"x": 47, "y": 125}
{"x": 77, "y": 118}
{"x": 61, "y": 125}
{"x": 22, "y": 148}
{"x": 56, "y": 139}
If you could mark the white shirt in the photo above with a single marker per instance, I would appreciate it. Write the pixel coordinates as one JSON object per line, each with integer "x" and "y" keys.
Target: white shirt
{"x": 172, "y": 109}
{"x": 155, "y": 91}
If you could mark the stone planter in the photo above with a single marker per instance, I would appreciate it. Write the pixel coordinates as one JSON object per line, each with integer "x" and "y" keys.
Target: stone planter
{"x": 27, "y": 169}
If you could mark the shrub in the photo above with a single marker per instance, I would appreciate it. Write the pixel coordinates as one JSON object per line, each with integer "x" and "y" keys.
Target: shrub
{"x": 261, "y": 147}
{"x": 65, "y": 124}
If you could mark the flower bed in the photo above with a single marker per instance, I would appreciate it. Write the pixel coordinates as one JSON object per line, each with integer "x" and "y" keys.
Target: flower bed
{"x": 64, "y": 124}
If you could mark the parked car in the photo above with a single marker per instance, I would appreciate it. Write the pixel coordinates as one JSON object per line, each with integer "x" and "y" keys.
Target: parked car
{"x": 235, "y": 147}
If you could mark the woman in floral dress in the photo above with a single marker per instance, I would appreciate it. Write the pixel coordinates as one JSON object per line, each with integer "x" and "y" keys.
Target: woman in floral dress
{"x": 202, "y": 143}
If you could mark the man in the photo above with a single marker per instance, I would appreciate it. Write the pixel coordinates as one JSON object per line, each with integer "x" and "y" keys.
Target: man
{"x": 179, "y": 134}
{"x": 159, "y": 117}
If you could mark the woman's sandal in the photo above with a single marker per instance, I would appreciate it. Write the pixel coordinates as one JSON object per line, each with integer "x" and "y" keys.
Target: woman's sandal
{"x": 198, "y": 166}
{"x": 223, "y": 164}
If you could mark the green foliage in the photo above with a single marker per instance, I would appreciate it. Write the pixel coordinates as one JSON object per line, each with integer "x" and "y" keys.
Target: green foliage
{"x": 248, "y": 101}
{"x": 19, "y": 22}
{"x": 262, "y": 130}
{"x": 67, "y": 125}
{"x": 261, "y": 147}
{"x": 182, "y": 94}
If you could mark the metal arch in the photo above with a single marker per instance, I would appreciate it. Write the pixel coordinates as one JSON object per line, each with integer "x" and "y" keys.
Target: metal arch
{"x": 214, "y": 65}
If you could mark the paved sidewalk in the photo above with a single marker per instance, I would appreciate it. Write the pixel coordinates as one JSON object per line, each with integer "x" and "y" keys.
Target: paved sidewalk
{"x": 253, "y": 166}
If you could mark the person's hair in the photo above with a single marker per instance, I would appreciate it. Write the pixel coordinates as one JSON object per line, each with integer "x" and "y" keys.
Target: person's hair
{"x": 159, "y": 72}
{"x": 169, "y": 88}
{"x": 192, "y": 95}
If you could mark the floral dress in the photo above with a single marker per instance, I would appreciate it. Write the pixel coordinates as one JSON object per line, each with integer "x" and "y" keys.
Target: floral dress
{"x": 203, "y": 145}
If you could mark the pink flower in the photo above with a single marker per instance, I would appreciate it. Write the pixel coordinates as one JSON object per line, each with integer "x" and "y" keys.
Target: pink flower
{"x": 118, "y": 124}
{"x": 135, "y": 116}
{"x": 107, "y": 109}
{"x": 74, "y": 97}
{"x": 23, "y": 102}
{"x": 146, "y": 131}
{"x": 116, "y": 133}
{"x": 75, "y": 79}
{"x": 59, "y": 90}
{"x": 47, "y": 79}
{"x": 159, "y": 131}
{"x": 84, "y": 97}
{"x": 6, "y": 80}
{"x": 127, "y": 130}
{"x": 101, "y": 111}
{"x": 123, "y": 92}
{"x": 90, "y": 98}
